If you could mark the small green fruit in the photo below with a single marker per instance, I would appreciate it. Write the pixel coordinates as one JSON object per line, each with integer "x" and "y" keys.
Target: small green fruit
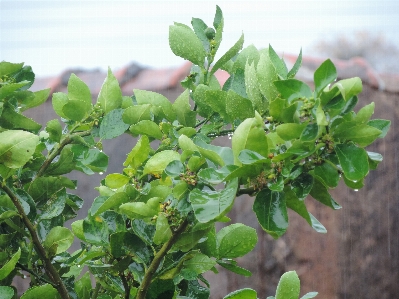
{"x": 210, "y": 33}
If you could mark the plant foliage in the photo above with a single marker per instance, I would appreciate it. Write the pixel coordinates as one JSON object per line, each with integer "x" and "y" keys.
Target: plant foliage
{"x": 151, "y": 233}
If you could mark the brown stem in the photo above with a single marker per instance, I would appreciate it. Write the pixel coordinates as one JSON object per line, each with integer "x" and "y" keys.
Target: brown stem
{"x": 52, "y": 155}
{"x": 142, "y": 291}
{"x": 50, "y": 270}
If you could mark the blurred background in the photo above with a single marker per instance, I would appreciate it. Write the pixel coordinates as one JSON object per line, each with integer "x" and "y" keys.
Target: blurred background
{"x": 359, "y": 256}
{"x": 57, "y": 34}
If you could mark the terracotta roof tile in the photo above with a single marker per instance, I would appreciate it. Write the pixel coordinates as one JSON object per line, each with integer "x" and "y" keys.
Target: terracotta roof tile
{"x": 134, "y": 76}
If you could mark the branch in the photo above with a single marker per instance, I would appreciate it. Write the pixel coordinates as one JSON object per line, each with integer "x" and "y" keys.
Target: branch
{"x": 52, "y": 155}
{"x": 142, "y": 291}
{"x": 35, "y": 274}
{"x": 50, "y": 270}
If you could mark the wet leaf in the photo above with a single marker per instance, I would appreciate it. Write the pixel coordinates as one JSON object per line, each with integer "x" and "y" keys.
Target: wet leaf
{"x": 156, "y": 100}
{"x": 141, "y": 210}
{"x": 271, "y": 211}
{"x": 288, "y": 286}
{"x": 116, "y": 180}
{"x": 183, "y": 111}
{"x": 79, "y": 91}
{"x": 242, "y": 294}
{"x": 328, "y": 173}
{"x": 146, "y": 127}
{"x": 8, "y": 267}
{"x": 110, "y": 95}
{"x": 325, "y": 74}
{"x": 350, "y": 87}
{"x": 54, "y": 129}
{"x": 6, "y": 292}
{"x": 139, "y": 153}
{"x": 114, "y": 201}
{"x": 292, "y": 89}
{"x": 290, "y": 131}
{"x": 353, "y": 160}
{"x": 209, "y": 205}
{"x": 267, "y": 74}
{"x": 321, "y": 194}
{"x": 157, "y": 163}
{"x": 380, "y": 124}
{"x": 112, "y": 125}
{"x": 236, "y": 240}
{"x": 163, "y": 231}
{"x": 45, "y": 291}
{"x": 59, "y": 237}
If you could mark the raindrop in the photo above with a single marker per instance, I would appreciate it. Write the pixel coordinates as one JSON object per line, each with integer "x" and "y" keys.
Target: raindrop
{"x": 25, "y": 276}
{"x": 101, "y": 173}
{"x": 78, "y": 266}
{"x": 340, "y": 175}
{"x": 230, "y": 135}
{"x": 355, "y": 190}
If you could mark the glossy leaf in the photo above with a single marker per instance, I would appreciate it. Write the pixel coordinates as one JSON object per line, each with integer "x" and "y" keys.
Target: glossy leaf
{"x": 17, "y": 147}
{"x": 9, "y": 266}
{"x": 292, "y": 89}
{"x": 199, "y": 264}
{"x": 365, "y": 113}
{"x": 325, "y": 74}
{"x": 321, "y": 194}
{"x": 136, "y": 113}
{"x": 146, "y": 127}
{"x": 252, "y": 87}
{"x": 250, "y": 135}
{"x": 353, "y": 160}
{"x": 361, "y": 134}
{"x": 271, "y": 211}
{"x": 54, "y": 206}
{"x": 278, "y": 63}
{"x": 350, "y": 87}
{"x": 236, "y": 240}
{"x": 139, "y": 153}
{"x": 79, "y": 91}
{"x": 45, "y": 291}
{"x": 61, "y": 237}
{"x": 74, "y": 110}
{"x": 88, "y": 160}
{"x": 228, "y": 55}
{"x": 116, "y": 180}
{"x": 124, "y": 243}
{"x": 296, "y": 66}
{"x": 328, "y": 173}
{"x": 310, "y": 133}
{"x": 242, "y": 294}
{"x": 110, "y": 95}
{"x": 309, "y": 295}
{"x": 184, "y": 43}
{"x": 114, "y": 201}
{"x": 95, "y": 230}
{"x": 158, "y": 162}
{"x": 163, "y": 231}
{"x": 59, "y": 100}
{"x": 234, "y": 268}
{"x": 288, "y": 287}
{"x": 156, "y": 100}
{"x": 83, "y": 286}
{"x": 267, "y": 74}
{"x": 209, "y": 205}
{"x": 112, "y": 125}
{"x": 54, "y": 129}
{"x": 10, "y": 119}
{"x": 65, "y": 163}
{"x": 141, "y": 210}
{"x": 290, "y": 131}
{"x": 183, "y": 111}
{"x": 302, "y": 185}
{"x": 238, "y": 106}
{"x": 6, "y": 292}
{"x": 380, "y": 124}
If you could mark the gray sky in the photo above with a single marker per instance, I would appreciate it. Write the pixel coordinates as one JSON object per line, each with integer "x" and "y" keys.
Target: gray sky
{"x": 58, "y": 34}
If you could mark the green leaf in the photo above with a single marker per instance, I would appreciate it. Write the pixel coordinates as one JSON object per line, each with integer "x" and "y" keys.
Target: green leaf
{"x": 133, "y": 114}
{"x": 292, "y": 89}
{"x": 141, "y": 210}
{"x": 10, "y": 265}
{"x": 54, "y": 129}
{"x": 325, "y": 74}
{"x": 353, "y": 160}
{"x": 7, "y": 68}
{"x": 156, "y": 100}
{"x": 380, "y": 124}
{"x": 321, "y": 194}
{"x": 250, "y": 135}
{"x": 184, "y": 43}
{"x": 242, "y": 294}
{"x": 249, "y": 55}
{"x": 267, "y": 74}
{"x": 17, "y": 147}
{"x": 290, "y": 131}
{"x": 83, "y": 286}
{"x": 238, "y": 107}
{"x": 350, "y": 87}
{"x": 10, "y": 119}
{"x": 374, "y": 159}
{"x": 8, "y": 89}
{"x": 61, "y": 237}
{"x": 183, "y": 111}
{"x": 89, "y": 160}
{"x": 112, "y": 125}
{"x": 74, "y": 110}
{"x": 95, "y": 231}
{"x": 296, "y": 66}
{"x": 163, "y": 231}
{"x": 199, "y": 28}
{"x": 234, "y": 268}
{"x": 45, "y": 291}
{"x": 139, "y": 153}
{"x": 79, "y": 91}
{"x": 228, "y": 55}
{"x": 209, "y": 205}
{"x": 236, "y": 240}
{"x": 146, "y": 127}
{"x": 157, "y": 163}
{"x": 199, "y": 264}
{"x": 271, "y": 211}
{"x": 114, "y": 201}
{"x": 110, "y": 95}
{"x": 365, "y": 113}
{"x": 328, "y": 174}
{"x": 310, "y": 133}
{"x": 39, "y": 97}
{"x": 77, "y": 229}
{"x": 59, "y": 100}
{"x": 6, "y": 292}
{"x": 288, "y": 287}
{"x": 309, "y": 295}
{"x": 361, "y": 134}
{"x": 252, "y": 87}
{"x": 278, "y": 63}
{"x": 54, "y": 205}
{"x": 64, "y": 164}
{"x": 116, "y": 180}
{"x": 126, "y": 243}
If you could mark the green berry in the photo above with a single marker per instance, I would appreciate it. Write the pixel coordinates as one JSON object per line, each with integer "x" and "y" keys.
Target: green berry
{"x": 210, "y": 33}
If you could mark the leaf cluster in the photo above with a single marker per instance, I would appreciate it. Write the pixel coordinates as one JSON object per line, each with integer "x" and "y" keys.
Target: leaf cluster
{"x": 151, "y": 231}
